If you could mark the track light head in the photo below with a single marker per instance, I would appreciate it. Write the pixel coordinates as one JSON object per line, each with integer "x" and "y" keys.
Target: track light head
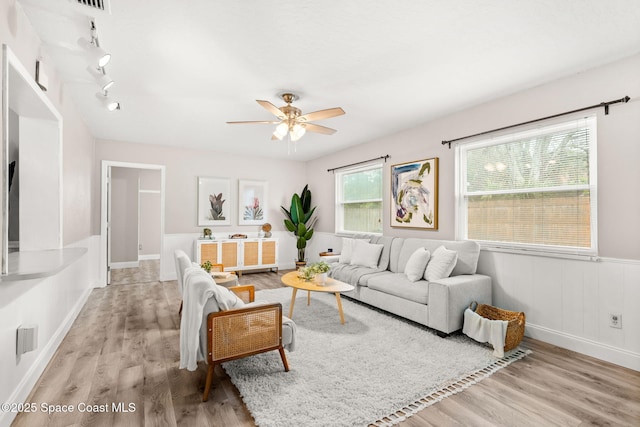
{"x": 104, "y": 81}
{"x": 108, "y": 102}
{"x": 98, "y": 55}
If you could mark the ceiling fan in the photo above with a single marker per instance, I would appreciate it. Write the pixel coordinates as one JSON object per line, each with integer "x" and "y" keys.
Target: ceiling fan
{"x": 291, "y": 120}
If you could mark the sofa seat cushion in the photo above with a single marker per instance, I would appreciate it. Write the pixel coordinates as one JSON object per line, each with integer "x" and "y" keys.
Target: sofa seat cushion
{"x": 398, "y": 284}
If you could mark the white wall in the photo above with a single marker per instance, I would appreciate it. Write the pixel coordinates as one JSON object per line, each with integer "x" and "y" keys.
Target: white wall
{"x": 53, "y": 302}
{"x": 566, "y": 301}
{"x": 182, "y": 169}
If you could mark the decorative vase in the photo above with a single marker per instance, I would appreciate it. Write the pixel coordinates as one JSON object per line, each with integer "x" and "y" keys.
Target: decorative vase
{"x": 321, "y": 278}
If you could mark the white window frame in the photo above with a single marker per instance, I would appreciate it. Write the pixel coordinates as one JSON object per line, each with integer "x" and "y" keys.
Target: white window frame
{"x": 339, "y": 211}
{"x": 512, "y": 247}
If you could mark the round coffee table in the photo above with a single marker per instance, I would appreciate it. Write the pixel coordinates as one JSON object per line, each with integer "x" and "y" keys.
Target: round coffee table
{"x": 336, "y": 287}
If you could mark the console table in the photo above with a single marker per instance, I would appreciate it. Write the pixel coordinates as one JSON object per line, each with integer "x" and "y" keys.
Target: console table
{"x": 239, "y": 254}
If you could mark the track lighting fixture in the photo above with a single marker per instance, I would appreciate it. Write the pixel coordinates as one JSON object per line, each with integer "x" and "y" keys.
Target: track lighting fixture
{"x": 99, "y": 58}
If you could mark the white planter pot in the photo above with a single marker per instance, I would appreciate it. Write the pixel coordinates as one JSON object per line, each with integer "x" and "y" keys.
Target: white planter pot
{"x": 321, "y": 278}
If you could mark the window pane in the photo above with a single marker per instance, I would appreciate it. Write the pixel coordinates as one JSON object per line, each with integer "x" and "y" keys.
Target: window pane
{"x": 364, "y": 185}
{"x": 550, "y": 160}
{"x": 549, "y": 218}
{"x": 363, "y": 217}
{"x": 532, "y": 188}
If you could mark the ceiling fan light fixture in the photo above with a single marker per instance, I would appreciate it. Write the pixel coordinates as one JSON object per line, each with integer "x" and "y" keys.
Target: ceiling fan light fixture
{"x": 281, "y": 130}
{"x": 297, "y": 131}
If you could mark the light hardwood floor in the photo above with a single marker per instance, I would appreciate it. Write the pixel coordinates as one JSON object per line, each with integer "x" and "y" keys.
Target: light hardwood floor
{"x": 123, "y": 347}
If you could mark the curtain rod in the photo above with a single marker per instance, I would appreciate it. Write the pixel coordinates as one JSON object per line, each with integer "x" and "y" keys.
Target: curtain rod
{"x": 385, "y": 157}
{"x": 602, "y": 104}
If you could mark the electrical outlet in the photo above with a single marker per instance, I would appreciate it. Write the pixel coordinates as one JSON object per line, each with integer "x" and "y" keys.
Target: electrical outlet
{"x": 615, "y": 321}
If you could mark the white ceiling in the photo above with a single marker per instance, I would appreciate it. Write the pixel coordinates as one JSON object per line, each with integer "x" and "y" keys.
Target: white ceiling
{"x": 184, "y": 68}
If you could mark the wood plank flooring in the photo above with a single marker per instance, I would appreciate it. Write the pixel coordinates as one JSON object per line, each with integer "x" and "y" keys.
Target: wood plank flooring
{"x": 123, "y": 348}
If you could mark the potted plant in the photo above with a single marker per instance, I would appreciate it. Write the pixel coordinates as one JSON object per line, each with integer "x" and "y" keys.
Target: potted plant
{"x": 206, "y": 266}
{"x": 320, "y": 269}
{"x": 300, "y": 221}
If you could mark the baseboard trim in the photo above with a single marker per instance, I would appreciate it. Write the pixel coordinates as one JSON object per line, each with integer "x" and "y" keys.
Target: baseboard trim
{"x": 608, "y": 353}
{"x": 127, "y": 264}
{"x": 22, "y": 391}
{"x": 147, "y": 257}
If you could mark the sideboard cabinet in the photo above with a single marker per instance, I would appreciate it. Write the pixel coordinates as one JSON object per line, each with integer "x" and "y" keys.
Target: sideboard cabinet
{"x": 239, "y": 254}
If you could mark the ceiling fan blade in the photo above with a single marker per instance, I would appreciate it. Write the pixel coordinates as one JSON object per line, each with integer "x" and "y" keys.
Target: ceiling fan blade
{"x": 272, "y": 109}
{"x": 254, "y": 122}
{"x": 321, "y": 114}
{"x": 319, "y": 129}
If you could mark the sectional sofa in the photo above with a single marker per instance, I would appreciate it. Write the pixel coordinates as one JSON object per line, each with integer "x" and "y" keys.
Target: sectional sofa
{"x": 430, "y": 282}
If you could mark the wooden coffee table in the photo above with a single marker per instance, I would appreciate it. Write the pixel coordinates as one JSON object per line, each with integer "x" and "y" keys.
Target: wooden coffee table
{"x": 292, "y": 280}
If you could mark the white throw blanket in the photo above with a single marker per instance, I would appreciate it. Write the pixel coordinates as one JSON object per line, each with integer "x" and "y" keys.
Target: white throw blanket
{"x": 198, "y": 288}
{"x": 482, "y": 329}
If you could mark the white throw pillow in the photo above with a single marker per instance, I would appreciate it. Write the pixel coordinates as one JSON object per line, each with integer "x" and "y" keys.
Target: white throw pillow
{"x": 441, "y": 264}
{"x": 417, "y": 264}
{"x": 347, "y": 249}
{"x": 366, "y": 254}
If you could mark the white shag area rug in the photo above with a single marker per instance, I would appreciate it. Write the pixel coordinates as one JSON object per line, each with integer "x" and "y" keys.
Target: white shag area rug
{"x": 375, "y": 369}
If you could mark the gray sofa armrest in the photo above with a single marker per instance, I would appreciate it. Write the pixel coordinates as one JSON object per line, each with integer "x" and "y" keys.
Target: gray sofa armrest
{"x": 449, "y": 297}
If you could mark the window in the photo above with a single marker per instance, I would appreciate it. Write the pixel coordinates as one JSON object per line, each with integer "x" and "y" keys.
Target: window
{"x": 531, "y": 190}
{"x": 359, "y": 200}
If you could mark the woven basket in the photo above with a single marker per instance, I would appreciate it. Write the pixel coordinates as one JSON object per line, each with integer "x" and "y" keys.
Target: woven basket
{"x": 515, "y": 328}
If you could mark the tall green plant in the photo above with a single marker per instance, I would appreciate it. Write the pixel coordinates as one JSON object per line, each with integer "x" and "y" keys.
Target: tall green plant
{"x": 300, "y": 220}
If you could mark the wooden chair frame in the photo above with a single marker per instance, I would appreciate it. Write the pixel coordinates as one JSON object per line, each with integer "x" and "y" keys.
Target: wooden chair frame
{"x": 234, "y": 334}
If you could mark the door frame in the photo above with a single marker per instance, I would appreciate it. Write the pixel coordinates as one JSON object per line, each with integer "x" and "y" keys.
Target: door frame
{"x": 106, "y": 167}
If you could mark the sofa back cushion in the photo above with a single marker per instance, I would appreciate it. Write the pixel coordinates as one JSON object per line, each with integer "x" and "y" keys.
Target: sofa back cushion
{"x": 366, "y": 254}
{"x": 383, "y": 262}
{"x": 468, "y": 252}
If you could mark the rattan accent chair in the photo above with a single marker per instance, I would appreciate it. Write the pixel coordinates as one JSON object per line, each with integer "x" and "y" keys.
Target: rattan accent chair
{"x": 238, "y": 333}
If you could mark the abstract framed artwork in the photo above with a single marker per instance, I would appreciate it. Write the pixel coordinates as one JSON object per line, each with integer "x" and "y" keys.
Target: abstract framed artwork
{"x": 414, "y": 194}
{"x": 252, "y": 202}
{"x": 213, "y": 201}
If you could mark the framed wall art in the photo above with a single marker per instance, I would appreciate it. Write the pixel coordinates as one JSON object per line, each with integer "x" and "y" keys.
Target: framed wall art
{"x": 214, "y": 201}
{"x": 414, "y": 194}
{"x": 252, "y": 202}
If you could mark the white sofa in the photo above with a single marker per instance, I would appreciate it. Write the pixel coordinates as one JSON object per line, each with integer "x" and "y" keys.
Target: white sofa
{"x": 438, "y": 303}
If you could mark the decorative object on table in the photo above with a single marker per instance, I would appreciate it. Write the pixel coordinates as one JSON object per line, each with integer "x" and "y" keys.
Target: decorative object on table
{"x": 206, "y": 266}
{"x": 266, "y": 228}
{"x": 237, "y": 236}
{"x": 306, "y": 273}
{"x": 300, "y": 220}
{"x": 394, "y": 379}
{"x": 414, "y": 194}
{"x": 213, "y": 201}
{"x": 252, "y": 202}
{"x": 320, "y": 269}
{"x": 207, "y": 233}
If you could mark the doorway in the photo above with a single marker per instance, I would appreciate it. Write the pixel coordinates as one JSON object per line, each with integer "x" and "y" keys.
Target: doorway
{"x": 132, "y": 222}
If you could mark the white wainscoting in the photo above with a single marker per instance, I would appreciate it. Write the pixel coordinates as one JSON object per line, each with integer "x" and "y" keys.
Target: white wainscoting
{"x": 567, "y": 302}
{"x": 52, "y": 303}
